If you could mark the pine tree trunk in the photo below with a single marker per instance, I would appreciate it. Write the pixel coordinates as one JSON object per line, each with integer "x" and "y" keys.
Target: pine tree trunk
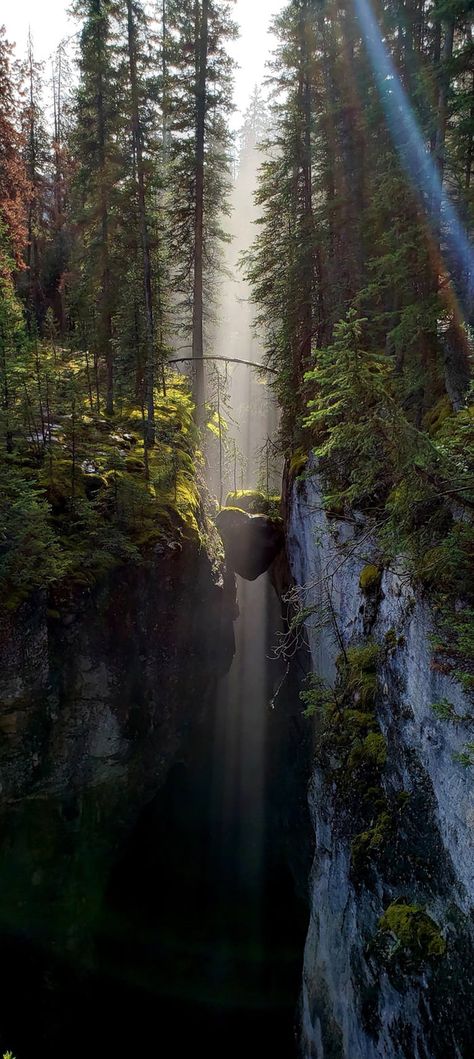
{"x": 302, "y": 352}
{"x": 440, "y": 138}
{"x": 201, "y": 24}
{"x": 34, "y": 299}
{"x": 105, "y": 308}
{"x": 455, "y": 350}
{"x": 470, "y": 142}
{"x": 6, "y": 398}
{"x": 164, "y": 75}
{"x": 143, "y": 223}
{"x": 58, "y": 180}
{"x": 308, "y": 228}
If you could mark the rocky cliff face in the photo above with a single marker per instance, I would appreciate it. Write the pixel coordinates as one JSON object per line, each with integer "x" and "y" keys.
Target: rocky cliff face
{"x": 97, "y": 700}
{"x": 388, "y": 965}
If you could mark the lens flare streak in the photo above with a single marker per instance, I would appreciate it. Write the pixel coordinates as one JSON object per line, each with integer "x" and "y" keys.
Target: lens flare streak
{"x": 410, "y": 144}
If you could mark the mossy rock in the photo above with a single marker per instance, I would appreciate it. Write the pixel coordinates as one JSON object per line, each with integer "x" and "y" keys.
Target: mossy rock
{"x": 358, "y": 720}
{"x": 370, "y": 578}
{"x": 251, "y": 542}
{"x": 372, "y": 841}
{"x": 298, "y": 462}
{"x": 93, "y": 484}
{"x": 364, "y": 658}
{"x": 416, "y": 935}
{"x": 233, "y": 507}
{"x": 254, "y": 502}
{"x": 57, "y": 482}
{"x": 352, "y": 745}
{"x": 134, "y": 465}
{"x": 437, "y": 416}
{"x": 391, "y": 640}
{"x": 370, "y": 753}
{"x": 375, "y": 748}
{"x": 358, "y": 671}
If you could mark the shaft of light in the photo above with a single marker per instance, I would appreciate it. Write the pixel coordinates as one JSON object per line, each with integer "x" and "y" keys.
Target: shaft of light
{"x": 414, "y": 156}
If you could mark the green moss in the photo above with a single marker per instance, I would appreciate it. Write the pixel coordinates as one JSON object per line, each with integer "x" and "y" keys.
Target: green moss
{"x": 298, "y": 462}
{"x": 390, "y": 640}
{"x": 466, "y": 756}
{"x": 375, "y": 748}
{"x": 371, "y": 841}
{"x": 414, "y": 932}
{"x": 134, "y": 465}
{"x": 437, "y": 416}
{"x": 255, "y": 502}
{"x": 93, "y": 483}
{"x": 358, "y": 720}
{"x": 358, "y": 670}
{"x": 364, "y": 658}
{"x": 60, "y": 482}
{"x": 370, "y": 578}
{"x": 351, "y": 747}
{"x": 370, "y": 753}
{"x": 251, "y": 496}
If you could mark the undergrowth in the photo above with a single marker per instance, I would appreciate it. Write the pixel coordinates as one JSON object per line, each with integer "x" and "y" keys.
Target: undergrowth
{"x": 415, "y": 483}
{"x": 82, "y": 494}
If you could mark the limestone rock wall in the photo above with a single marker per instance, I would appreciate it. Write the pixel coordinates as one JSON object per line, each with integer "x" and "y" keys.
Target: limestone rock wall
{"x": 97, "y": 700}
{"x": 364, "y": 994}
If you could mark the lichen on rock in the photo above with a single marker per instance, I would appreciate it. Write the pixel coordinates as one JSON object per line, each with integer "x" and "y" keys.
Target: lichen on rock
{"x": 370, "y": 578}
{"x": 415, "y": 934}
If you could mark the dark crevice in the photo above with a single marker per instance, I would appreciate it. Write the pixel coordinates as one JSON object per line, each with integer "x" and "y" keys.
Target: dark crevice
{"x": 199, "y": 939}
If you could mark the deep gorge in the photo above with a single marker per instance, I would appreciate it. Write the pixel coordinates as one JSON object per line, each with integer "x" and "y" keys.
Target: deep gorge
{"x": 236, "y": 529}
{"x": 161, "y": 862}
{"x": 156, "y": 863}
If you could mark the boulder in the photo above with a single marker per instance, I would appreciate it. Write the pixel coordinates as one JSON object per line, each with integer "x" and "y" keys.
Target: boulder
{"x": 251, "y": 542}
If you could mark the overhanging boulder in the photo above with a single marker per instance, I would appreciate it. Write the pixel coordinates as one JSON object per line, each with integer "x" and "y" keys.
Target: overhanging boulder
{"x": 251, "y": 542}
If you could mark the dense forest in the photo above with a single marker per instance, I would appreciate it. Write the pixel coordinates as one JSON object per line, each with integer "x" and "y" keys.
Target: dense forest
{"x": 362, "y": 272}
{"x": 148, "y": 253}
{"x": 115, "y": 176}
{"x": 113, "y": 182}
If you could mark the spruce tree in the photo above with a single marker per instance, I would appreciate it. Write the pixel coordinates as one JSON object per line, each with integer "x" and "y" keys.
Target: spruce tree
{"x": 151, "y": 282}
{"x": 287, "y": 295}
{"x": 98, "y": 114}
{"x": 15, "y": 199}
{"x": 200, "y": 99}
{"x": 15, "y": 188}
{"x": 351, "y": 207}
{"x": 37, "y": 155}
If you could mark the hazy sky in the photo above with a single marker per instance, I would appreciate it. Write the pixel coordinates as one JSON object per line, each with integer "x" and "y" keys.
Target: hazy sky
{"x": 49, "y": 23}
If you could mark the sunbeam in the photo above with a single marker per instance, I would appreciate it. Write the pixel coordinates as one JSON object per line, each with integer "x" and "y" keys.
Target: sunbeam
{"x": 411, "y": 147}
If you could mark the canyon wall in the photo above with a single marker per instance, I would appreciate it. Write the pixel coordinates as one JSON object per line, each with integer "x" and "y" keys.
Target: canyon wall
{"x": 388, "y": 964}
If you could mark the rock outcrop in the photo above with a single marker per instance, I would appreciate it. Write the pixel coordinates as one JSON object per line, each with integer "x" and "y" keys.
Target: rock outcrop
{"x": 388, "y": 964}
{"x": 96, "y": 702}
{"x": 251, "y": 542}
